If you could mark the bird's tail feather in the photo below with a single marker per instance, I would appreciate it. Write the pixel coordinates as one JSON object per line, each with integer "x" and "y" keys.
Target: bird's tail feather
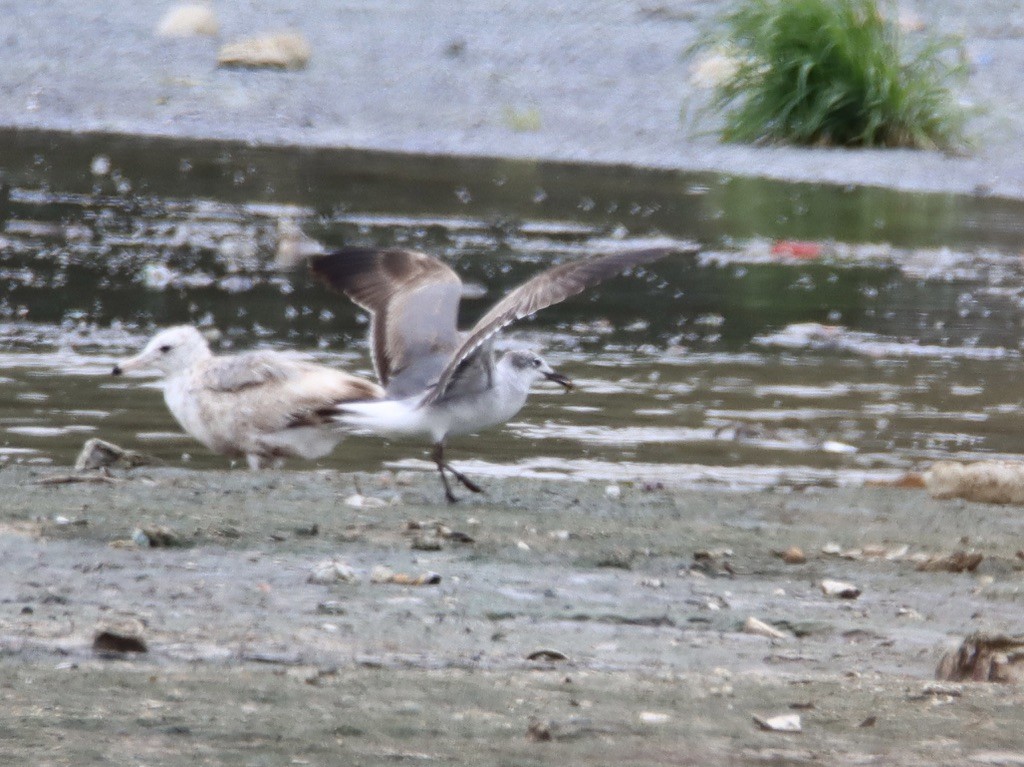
{"x": 378, "y": 416}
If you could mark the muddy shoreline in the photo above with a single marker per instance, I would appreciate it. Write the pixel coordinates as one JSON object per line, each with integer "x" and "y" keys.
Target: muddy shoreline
{"x": 535, "y": 81}
{"x": 642, "y": 598}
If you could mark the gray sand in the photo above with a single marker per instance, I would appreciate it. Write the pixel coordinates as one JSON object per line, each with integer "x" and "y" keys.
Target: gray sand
{"x": 249, "y": 663}
{"x": 607, "y": 82}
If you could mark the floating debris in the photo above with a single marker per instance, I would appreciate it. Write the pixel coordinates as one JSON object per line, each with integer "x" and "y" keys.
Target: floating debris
{"x": 831, "y": 588}
{"x": 100, "y": 165}
{"x": 780, "y": 723}
{"x": 754, "y": 626}
{"x": 280, "y": 50}
{"x": 797, "y": 249}
{"x": 985, "y": 658}
{"x": 99, "y": 454}
{"x": 189, "y": 20}
{"x": 983, "y": 481}
{"x": 332, "y": 571}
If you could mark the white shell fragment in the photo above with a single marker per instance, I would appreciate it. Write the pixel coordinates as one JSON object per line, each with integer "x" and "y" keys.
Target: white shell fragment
{"x": 357, "y": 501}
{"x": 839, "y": 589}
{"x": 760, "y": 628}
{"x": 332, "y": 571}
{"x": 781, "y": 723}
{"x": 281, "y": 50}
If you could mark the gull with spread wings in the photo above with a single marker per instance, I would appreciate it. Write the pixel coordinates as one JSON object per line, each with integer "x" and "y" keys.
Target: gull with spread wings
{"x": 437, "y": 380}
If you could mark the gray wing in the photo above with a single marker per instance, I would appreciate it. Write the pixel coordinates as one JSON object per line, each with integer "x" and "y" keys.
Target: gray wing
{"x": 474, "y": 376}
{"x": 244, "y": 371}
{"x": 414, "y": 301}
{"x": 547, "y": 288}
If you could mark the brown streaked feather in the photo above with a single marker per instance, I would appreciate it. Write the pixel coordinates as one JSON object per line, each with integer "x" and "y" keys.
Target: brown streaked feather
{"x": 414, "y": 301}
{"x": 549, "y": 287}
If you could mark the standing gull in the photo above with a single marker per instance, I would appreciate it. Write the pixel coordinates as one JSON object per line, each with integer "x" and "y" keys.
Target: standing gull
{"x": 265, "y": 405}
{"x": 440, "y": 381}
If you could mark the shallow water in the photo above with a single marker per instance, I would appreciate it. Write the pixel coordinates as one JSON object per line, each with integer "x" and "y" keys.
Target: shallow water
{"x": 743, "y": 366}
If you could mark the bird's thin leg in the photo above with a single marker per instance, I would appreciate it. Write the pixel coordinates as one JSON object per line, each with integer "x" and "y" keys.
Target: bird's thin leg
{"x": 254, "y": 461}
{"x": 437, "y": 454}
{"x": 470, "y": 484}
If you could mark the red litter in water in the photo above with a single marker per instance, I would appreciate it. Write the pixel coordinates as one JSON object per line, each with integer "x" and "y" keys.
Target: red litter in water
{"x": 796, "y": 249}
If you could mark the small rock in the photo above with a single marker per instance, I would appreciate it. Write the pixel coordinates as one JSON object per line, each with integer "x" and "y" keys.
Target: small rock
{"x": 832, "y": 549}
{"x": 189, "y": 20}
{"x": 100, "y": 454}
{"x": 985, "y": 658}
{"x": 760, "y": 628}
{"x": 781, "y": 723}
{"x": 426, "y": 543}
{"x": 119, "y": 636}
{"x": 548, "y": 655}
{"x": 957, "y": 562}
{"x": 332, "y": 571}
{"x": 282, "y": 50}
{"x": 839, "y": 589}
{"x": 156, "y": 537}
{"x": 331, "y": 607}
{"x": 383, "y": 574}
{"x": 794, "y": 555}
{"x": 613, "y": 491}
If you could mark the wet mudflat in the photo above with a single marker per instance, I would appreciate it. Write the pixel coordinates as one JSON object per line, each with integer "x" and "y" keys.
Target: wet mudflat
{"x": 571, "y": 623}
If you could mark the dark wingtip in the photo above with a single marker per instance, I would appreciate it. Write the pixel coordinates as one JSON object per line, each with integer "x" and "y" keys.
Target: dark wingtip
{"x": 338, "y": 268}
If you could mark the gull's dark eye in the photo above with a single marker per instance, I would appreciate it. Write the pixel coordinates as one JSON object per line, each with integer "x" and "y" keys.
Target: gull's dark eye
{"x": 165, "y": 348}
{"x": 536, "y": 362}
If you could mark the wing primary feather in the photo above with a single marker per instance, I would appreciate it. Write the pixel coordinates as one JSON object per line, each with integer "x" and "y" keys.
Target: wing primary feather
{"x": 549, "y": 287}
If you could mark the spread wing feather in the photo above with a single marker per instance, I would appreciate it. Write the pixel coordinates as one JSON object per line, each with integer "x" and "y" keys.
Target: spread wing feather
{"x": 545, "y": 289}
{"x": 414, "y": 301}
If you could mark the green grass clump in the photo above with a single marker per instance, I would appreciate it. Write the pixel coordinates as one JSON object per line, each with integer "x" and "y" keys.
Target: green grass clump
{"x": 833, "y": 72}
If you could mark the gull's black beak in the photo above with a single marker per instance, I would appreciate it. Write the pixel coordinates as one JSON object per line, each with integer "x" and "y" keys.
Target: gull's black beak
{"x": 561, "y": 380}
{"x": 116, "y": 371}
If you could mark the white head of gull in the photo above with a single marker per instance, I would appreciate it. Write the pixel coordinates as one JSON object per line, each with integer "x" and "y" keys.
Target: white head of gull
{"x": 263, "y": 405}
{"x": 440, "y": 381}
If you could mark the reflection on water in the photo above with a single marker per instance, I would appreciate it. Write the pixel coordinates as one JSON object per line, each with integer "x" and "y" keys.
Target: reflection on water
{"x": 898, "y": 345}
